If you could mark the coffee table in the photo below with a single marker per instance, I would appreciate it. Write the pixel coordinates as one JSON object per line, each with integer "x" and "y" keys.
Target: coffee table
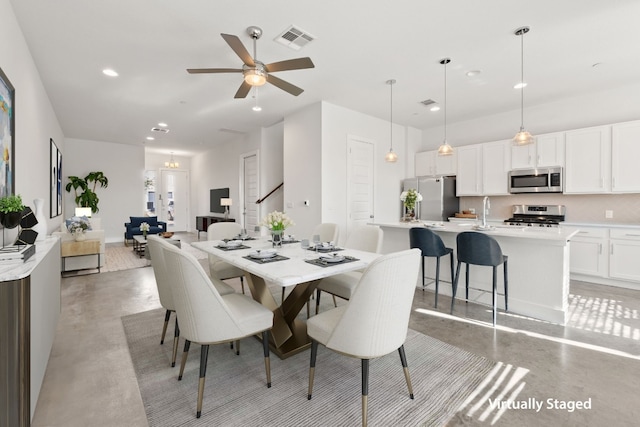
{"x": 139, "y": 245}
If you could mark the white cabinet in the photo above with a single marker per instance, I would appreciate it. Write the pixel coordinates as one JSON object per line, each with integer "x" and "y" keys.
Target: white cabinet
{"x": 496, "y": 163}
{"x": 624, "y": 254}
{"x": 625, "y": 152}
{"x": 469, "y": 177}
{"x": 546, "y": 151}
{"x": 588, "y": 160}
{"x": 429, "y": 163}
{"x": 589, "y": 254}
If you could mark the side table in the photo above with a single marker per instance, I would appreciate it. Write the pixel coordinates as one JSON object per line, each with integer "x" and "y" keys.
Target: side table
{"x": 85, "y": 247}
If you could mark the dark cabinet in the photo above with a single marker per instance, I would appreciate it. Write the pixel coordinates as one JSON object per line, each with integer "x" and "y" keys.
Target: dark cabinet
{"x": 203, "y": 222}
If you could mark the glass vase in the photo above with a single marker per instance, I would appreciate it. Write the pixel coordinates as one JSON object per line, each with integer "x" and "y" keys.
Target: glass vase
{"x": 276, "y": 238}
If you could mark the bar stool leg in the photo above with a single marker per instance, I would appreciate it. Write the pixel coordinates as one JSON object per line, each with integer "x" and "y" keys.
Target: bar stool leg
{"x": 495, "y": 294}
{"x": 506, "y": 287}
{"x": 455, "y": 286}
{"x": 423, "y": 274}
{"x": 437, "y": 279}
{"x": 467, "y": 287}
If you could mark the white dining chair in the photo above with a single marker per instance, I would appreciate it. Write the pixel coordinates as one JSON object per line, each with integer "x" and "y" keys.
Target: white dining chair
{"x": 364, "y": 238}
{"x": 217, "y": 268}
{"x": 155, "y": 245}
{"x": 374, "y": 322}
{"x": 206, "y": 317}
{"x": 328, "y": 232}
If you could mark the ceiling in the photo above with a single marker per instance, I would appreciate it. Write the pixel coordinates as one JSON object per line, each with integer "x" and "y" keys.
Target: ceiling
{"x": 359, "y": 45}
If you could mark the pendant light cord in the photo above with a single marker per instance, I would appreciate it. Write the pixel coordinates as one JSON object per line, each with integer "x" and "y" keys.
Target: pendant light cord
{"x": 445, "y": 102}
{"x": 391, "y": 116}
{"x": 522, "y": 81}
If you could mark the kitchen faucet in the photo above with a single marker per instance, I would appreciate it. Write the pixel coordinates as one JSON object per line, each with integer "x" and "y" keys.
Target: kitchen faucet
{"x": 486, "y": 205}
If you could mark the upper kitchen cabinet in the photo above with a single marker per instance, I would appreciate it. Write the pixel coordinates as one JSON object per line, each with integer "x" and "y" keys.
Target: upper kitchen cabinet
{"x": 625, "y": 152}
{"x": 469, "y": 177}
{"x": 588, "y": 160}
{"x": 546, "y": 151}
{"x": 428, "y": 163}
{"x": 496, "y": 163}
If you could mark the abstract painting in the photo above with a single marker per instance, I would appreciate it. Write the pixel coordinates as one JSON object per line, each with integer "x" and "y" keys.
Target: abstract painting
{"x": 7, "y": 136}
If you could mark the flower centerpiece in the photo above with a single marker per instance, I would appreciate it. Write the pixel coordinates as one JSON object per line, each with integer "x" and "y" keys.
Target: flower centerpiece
{"x": 277, "y": 222}
{"x": 78, "y": 226}
{"x": 144, "y": 227}
{"x": 409, "y": 199}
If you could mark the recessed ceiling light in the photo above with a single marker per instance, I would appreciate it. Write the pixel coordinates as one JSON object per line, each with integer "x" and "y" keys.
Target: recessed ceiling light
{"x": 150, "y": 138}
{"x": 109, "y": 72}
{"x": 472, "y": 73}
{"x": 435, "y": 108}
{"x": 520, "y": 85}
{"x": 163, "y": 124}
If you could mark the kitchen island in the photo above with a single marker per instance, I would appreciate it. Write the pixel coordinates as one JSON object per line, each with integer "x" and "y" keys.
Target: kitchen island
{"x": 538, "y": 266}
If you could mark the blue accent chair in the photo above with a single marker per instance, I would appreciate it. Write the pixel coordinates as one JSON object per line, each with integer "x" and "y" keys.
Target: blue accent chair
{"x": 132, "y": 228}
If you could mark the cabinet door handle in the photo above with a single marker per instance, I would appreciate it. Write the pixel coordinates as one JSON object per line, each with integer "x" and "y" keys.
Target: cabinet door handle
{"x": 613, "y": 182}
{"x": 538, "y": 158}
{"x": 601, "y": 182}
{"x": 611, "y": 249}
{"x": 600, "y": 248}
{"x": 583, "y": 232}
{"x": 632, "y": 235}
{"x": 529, "y": 161}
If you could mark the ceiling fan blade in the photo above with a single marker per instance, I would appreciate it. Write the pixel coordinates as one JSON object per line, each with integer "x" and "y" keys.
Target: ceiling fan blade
{"x": 237, "y": 46}
{"x": 243, "y": 91}
{"x": 290, "y": 64}
{"x": 213, "y": 70}
{"x": 286, "y": 86}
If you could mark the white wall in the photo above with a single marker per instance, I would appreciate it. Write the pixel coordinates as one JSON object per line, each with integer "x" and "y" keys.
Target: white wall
{"x": 123, "y": 165}
{"x": 271, "y": 168}
{"x": 35, "y": 119}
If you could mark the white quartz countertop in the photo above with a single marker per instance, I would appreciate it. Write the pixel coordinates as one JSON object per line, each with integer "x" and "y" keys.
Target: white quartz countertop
{"x": 10, "y": 272}
{"x": 562, "y": 233}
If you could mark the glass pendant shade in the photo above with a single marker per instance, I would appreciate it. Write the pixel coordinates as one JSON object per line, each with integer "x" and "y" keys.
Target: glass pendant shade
{"x": 523, "y": 137}
{"x": 391, "y": 156}
{"x": 445, "y": 149}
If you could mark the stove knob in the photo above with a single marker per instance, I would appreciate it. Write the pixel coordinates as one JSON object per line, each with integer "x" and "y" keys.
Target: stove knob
{"x": 529, "y": 225}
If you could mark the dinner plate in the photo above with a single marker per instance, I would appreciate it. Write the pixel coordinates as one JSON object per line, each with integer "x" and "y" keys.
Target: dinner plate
{"x": 434, "y": 225}
{"x": 263, "y": 254}
{"x": 332, "y": 259}
{"x": 485, "y": 228}
{"x": 231, "y": 244}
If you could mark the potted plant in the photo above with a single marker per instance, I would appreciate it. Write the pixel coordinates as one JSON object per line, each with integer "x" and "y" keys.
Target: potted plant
{"x": 85, "y": 193}
{"x": 11, "y": 208}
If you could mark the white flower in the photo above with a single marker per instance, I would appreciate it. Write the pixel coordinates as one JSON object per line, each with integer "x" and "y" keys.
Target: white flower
{"x": 410, "y": 198}
{"x": 277, "y": 221}
{"x": 144, "y": 226}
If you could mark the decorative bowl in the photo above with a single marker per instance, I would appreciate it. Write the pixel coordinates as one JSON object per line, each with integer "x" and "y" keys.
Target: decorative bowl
{"x": 166, "y": 234}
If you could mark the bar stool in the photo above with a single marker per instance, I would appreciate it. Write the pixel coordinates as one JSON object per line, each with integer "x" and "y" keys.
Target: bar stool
{"x": 480, "y": 249}
{"x": 431, "y": 245}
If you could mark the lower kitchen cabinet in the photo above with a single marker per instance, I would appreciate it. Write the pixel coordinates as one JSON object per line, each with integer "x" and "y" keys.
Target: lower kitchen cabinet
{"x": 624, "y": 254}
{"x": 589, "y": 254}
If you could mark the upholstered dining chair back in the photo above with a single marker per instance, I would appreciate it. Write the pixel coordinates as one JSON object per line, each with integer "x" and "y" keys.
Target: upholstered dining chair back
{"x": 155, "y": 245}
{"x": 376, "y": 320}
{"x": 365, "y": 238}
{"x": 223, "y": 230}
{"x": 328, "y": 232}
{"x": 197, "y": 301}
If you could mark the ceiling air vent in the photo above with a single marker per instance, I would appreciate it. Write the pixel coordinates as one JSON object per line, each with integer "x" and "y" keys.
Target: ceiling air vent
{"x": 427, "y": 102}
{"x": 163, "y": 130}
{"x": 295, "y": 38}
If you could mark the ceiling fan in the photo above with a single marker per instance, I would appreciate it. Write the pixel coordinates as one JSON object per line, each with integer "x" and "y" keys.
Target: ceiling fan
{"x": 257, "y": 73}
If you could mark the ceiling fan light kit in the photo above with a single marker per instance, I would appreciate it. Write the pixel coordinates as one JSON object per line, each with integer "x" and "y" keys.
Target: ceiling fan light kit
{"x": 445, "y": 149}
{"x": 523, "y": 137}
{"x": 255, "y": 72}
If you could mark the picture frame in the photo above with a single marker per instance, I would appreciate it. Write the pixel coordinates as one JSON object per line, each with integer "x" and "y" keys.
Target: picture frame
{"x": 55, "y": 179}
{"x": 7, "y": 136}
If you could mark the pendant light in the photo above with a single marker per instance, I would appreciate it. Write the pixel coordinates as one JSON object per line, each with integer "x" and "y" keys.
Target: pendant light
{"x": 445, "y": 149}
{"x": 172, "y": 164}
{"x": 391, "y": 157}
{"x": 523, "y": 137}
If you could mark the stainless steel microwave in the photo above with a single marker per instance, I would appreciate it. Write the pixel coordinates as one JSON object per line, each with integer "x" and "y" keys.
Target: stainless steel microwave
{"x": 541, "y": 180}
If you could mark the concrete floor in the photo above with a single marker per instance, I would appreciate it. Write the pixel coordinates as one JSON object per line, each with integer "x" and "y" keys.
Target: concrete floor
{"x": 90, "y": 378}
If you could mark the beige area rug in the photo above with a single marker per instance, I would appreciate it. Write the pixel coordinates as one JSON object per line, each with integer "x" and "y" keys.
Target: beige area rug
{"x": 121, "y": 257}
{"x": 445, "y": 378}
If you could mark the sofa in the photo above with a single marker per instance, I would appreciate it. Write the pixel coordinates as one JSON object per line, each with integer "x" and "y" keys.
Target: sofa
{"x": 132, "y": 228}
{"x": 86, "y": 261}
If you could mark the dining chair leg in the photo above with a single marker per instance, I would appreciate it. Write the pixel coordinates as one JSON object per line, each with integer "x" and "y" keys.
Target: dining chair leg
{"x": 495, "y": 294}
{"x": 204, "y": 354}
{"x": 185, "y": 353}
{"x": 506, "y": 287}
{"x": 312, "y": 366}
{"x": 437, "y": 279}
{"x": 282, "y": 295}
{"x": 164, "y": 327}
{"x": 267, "y": 360}
{"x": 405, "y": 368}
{"x": 335, "y": 303}
{"x": 237, "y": 347}
{"x": 317, "y": 300}
{"x": 455, "y": 286}
{"x": 365, "y": 390}
{"x": 176, "y": 339}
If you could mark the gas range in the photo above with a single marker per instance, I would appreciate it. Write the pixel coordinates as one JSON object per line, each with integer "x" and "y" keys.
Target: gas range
{"x": 537, "y": 216}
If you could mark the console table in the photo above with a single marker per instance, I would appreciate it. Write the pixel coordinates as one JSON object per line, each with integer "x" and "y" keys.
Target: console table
{"x": 85, "y": 247}
{"x": 203, "y": 222}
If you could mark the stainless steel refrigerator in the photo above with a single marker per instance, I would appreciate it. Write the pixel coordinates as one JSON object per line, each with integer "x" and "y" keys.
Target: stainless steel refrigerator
{"x": 439, "y": 200}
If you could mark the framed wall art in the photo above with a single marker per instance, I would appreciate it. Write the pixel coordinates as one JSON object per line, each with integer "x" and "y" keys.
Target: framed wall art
{"x": 7, "y": 136}
{"x": 55, "y": 179}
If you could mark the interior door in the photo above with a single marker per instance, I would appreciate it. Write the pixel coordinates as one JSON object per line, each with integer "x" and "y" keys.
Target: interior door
{"x": 250, "y": 191}
{"x": 360, "y": 182}
{"x": 174, "y": 199}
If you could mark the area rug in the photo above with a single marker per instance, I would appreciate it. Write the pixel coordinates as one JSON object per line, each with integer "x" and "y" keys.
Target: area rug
{"x": 443, "y": 378}
{"x": 120, "y": 257}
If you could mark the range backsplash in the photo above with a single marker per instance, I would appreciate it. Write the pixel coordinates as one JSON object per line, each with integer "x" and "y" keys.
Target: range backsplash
{"x": 582, "y": 208}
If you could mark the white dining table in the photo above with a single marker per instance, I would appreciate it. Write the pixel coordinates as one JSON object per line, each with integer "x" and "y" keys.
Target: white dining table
{"x": 289, "y": 333}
